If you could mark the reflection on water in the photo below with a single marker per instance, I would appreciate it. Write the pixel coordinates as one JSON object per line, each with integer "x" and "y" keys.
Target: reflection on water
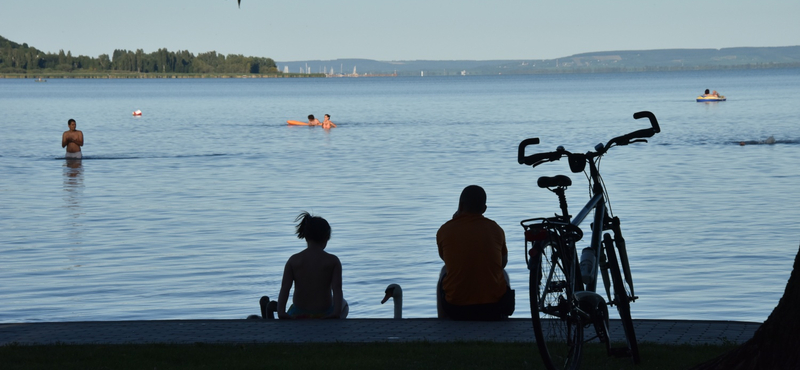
{"x": 73, "y": 195}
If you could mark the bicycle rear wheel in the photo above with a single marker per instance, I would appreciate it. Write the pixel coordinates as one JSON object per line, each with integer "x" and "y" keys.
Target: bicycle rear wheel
{"x": 622, "y": 301}
{"x": 558, "y": 328}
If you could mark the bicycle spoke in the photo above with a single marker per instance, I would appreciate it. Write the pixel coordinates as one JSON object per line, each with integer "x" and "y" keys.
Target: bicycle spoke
{"x": 558, "y": 329}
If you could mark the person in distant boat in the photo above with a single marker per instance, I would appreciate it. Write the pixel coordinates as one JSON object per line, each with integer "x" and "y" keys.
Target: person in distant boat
{"x": 315, "y": 274}
{"x": 313, "y": 121}
{"x": 473, "y": 284}
{"x": 72, "y": 139}
{"x": 706, "y": 93}
{"x": 326, "y": 123}
{"x": 715, "y": 94}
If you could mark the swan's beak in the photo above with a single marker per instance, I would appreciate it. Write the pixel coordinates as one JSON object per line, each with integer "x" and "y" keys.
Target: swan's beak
{"x": 389, "y": 293}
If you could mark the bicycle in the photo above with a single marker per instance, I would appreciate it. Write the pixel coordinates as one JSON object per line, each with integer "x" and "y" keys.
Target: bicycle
{"x": 562, "y": 286}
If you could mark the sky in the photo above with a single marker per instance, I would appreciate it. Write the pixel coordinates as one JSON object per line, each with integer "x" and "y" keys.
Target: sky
{"x": 296, "y": 30}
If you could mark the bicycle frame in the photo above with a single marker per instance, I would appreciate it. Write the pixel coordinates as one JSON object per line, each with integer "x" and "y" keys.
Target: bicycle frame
{"x": 581, "y": 305}
{"x": 598, "y": 204}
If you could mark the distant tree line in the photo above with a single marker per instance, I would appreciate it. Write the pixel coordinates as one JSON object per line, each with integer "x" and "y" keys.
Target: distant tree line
{"x": 16, "y": 58}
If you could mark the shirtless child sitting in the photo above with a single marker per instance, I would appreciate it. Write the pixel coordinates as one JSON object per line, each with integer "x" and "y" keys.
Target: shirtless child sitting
{"x": 315, "y": 274}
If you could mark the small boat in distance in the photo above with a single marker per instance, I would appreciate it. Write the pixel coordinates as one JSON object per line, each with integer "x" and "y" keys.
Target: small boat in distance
{"x": 709, "y": 98}
{"x": 714, "y": 96}
{"x": 137, "y": 113}
{"x": 40, "y": 80}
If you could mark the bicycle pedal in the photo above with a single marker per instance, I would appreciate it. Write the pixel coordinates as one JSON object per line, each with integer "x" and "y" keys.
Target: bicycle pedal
{"x": 619, "y": 352}
{"x": 601, "y": 333}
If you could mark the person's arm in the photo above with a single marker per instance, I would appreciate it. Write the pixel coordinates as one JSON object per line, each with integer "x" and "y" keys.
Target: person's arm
{"x": 333, "y": 124}
{"x": 505, "y": 248}
{"x": 79, "y": 138}
{"x": 64, "y": 140}
{"x": 286, "y": 285}
{"x": 336, "y": 287}
{"x": 439, "y": 245}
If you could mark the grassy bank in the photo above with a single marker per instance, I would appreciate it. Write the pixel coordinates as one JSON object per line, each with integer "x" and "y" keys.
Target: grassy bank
{"x": 419, "y": 355}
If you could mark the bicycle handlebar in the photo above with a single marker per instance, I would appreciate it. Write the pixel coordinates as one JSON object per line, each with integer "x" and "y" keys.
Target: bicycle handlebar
{"x": 638, "y": 134}
{"x": 651, "y": 117}
{"x": 523, "y": 144}
{"x": 539, "y": 158}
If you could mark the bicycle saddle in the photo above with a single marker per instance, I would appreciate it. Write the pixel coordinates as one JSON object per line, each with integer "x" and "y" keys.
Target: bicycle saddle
{"x": 555, "y": 181}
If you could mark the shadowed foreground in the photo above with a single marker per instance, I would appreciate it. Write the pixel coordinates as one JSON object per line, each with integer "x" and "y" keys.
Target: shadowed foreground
{"x": 334, "y": 356}
{"x": 348, "y": 331}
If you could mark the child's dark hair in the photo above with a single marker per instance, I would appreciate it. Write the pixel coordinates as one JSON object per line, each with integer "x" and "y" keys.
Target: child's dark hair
{"x": 312, "y": 228}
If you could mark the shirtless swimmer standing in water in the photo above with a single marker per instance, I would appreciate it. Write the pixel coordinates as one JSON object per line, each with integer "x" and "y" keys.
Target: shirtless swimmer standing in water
{"x": 327, "y": 124}
{"x": 72, "y": 139}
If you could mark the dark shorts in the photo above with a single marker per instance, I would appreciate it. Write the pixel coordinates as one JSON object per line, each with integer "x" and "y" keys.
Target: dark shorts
{"x": 497, "y": 311}
{"x": 298, "y": 313}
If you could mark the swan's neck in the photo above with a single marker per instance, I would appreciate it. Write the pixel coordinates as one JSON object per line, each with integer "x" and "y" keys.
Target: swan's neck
{"x": 398, "y": 307}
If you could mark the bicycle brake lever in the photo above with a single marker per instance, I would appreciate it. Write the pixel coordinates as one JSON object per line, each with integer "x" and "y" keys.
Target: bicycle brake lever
{"x": 537, "y": 163}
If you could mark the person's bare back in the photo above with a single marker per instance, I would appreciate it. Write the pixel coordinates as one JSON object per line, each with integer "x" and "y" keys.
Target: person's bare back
{"x": 315, "y": 274}
{"x": 314, "y": 271}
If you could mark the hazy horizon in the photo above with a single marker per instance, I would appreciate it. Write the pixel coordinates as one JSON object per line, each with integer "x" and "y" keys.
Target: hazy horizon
{"x": 398, "y": 31}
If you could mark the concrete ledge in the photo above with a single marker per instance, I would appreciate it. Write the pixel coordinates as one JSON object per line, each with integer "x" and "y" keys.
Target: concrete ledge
{"x": 348, "y": 331}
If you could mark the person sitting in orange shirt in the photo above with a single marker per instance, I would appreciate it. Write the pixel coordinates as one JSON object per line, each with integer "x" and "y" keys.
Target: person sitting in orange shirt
{"x": 473, "y": 284}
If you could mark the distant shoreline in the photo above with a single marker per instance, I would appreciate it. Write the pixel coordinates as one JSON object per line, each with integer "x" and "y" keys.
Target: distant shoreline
{"x": 84, "y": 75}
{"x": 543, "y": 71}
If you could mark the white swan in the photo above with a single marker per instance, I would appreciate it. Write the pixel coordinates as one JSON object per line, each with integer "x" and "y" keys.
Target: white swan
{"x": 395, "y": 292}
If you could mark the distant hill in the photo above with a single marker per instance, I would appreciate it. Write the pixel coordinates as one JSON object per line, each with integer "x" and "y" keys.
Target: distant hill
{"x": 596, "y": 62}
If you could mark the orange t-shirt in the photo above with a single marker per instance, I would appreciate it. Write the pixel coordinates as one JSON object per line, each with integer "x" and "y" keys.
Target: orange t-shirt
{"x": 472, "y": 248}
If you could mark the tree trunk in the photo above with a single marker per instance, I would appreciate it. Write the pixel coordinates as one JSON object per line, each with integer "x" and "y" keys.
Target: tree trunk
{"x": 776, "y": 344}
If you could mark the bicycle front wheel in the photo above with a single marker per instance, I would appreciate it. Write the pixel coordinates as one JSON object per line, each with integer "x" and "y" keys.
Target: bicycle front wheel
{"x": 556, "y": 324}
{"x": 623, "y": 302}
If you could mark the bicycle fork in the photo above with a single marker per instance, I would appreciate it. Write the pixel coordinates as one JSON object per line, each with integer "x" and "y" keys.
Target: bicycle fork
{"x": 608, "y": 244}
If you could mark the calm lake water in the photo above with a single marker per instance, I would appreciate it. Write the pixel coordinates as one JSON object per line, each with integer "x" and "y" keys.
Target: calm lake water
{"x": 188, "y": 211}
